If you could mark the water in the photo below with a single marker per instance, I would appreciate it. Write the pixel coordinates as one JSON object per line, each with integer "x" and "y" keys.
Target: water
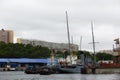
{"x": 19, "y": 75}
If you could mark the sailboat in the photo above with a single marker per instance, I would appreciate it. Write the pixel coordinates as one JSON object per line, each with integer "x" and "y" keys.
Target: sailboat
{"x": 71, "y": 68}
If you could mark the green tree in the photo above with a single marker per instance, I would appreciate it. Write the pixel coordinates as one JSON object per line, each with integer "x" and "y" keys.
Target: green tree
{"x": 104, "y": 56}
{"x": 59, "y": 54}
{"x": 10, "y": 50}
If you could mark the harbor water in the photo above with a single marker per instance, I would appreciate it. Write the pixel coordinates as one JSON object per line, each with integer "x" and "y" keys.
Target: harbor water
{"x": 20, "y": 75}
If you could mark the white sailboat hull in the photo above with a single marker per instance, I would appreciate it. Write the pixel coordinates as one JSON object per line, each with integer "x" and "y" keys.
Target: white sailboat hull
{"x": 67, "y": 69}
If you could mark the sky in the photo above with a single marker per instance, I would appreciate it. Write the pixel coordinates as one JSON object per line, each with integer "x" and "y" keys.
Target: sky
{"x": 45, "y": 20}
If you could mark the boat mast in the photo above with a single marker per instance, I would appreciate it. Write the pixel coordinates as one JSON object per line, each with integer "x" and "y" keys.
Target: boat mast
{"x": 93, "y": 43}
{"x": 72, "y": 39}
{"x": 68, "y": 36}
{"x": 80, "y": 42}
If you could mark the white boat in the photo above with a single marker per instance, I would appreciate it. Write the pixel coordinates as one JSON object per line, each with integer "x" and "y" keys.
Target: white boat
{"x": 70, "y": 69}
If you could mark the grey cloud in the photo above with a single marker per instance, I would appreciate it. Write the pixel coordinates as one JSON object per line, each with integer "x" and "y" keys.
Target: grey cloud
{"x": 45, "y": 20}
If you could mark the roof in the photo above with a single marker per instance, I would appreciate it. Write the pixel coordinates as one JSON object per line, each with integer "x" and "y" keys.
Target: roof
{"x": 24, "y": 60}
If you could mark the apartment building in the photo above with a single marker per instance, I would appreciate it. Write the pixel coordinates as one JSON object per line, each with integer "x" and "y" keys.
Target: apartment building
{"x": 50, "y": 45}
{"x": 6, "y": 36}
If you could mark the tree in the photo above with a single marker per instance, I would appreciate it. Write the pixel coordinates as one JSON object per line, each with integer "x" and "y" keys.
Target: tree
{"x": 104, "y": 56}
{"x": 59, "y": 54}
{"x": 10, "y": 50}
{"x": 86, "y": 53}
{"x": 66, "y": 53}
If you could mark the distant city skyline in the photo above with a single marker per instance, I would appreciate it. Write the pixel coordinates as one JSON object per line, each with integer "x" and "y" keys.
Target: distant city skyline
{"x": 45, "y": 20}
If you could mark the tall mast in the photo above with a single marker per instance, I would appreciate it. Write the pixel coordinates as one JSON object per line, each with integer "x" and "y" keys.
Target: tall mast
{"x": 80, "y": 42}
{"x": 93, "y": 42}
{"x": 72, "y": 39}
{"x": 68, "y": 35}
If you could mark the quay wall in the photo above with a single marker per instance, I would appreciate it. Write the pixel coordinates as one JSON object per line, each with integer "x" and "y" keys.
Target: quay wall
{"x": 107, "y": 70}
{"x": 104, "y": 71}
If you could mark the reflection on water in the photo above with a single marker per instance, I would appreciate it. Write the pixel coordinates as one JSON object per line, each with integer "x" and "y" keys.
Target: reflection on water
{"x": 22, "y": 76}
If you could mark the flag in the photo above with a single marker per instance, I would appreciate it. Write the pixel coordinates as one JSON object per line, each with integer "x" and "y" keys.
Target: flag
{"x": 117, "y": 41}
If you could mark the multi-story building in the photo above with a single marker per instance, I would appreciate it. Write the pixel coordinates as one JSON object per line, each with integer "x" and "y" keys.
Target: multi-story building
{"x": 108, "y": 52}
{"x": 50, "y": 45}
{"x": 6, "y": 36}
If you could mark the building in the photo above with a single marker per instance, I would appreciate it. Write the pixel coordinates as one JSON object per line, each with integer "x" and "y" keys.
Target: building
{"x": 50, "y": 45}
{"x": 21, "y": 63}
{"x": 108, "y": 52}
{"x": 6, "y": 36}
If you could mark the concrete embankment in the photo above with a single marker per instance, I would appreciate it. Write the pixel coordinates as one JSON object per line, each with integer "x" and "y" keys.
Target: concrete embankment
{"x": 103, "y": 71}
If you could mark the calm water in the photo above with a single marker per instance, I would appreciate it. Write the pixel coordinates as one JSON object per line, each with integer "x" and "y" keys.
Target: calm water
{"x": 23, "y": 76}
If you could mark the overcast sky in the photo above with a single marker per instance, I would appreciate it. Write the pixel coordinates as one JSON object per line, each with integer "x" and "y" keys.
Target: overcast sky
{"x": 45, "y": 20}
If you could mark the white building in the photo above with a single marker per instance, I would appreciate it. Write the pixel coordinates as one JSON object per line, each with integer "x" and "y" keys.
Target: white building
{"x": 109, "y": 52}
{"x": 50, "y": 45}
